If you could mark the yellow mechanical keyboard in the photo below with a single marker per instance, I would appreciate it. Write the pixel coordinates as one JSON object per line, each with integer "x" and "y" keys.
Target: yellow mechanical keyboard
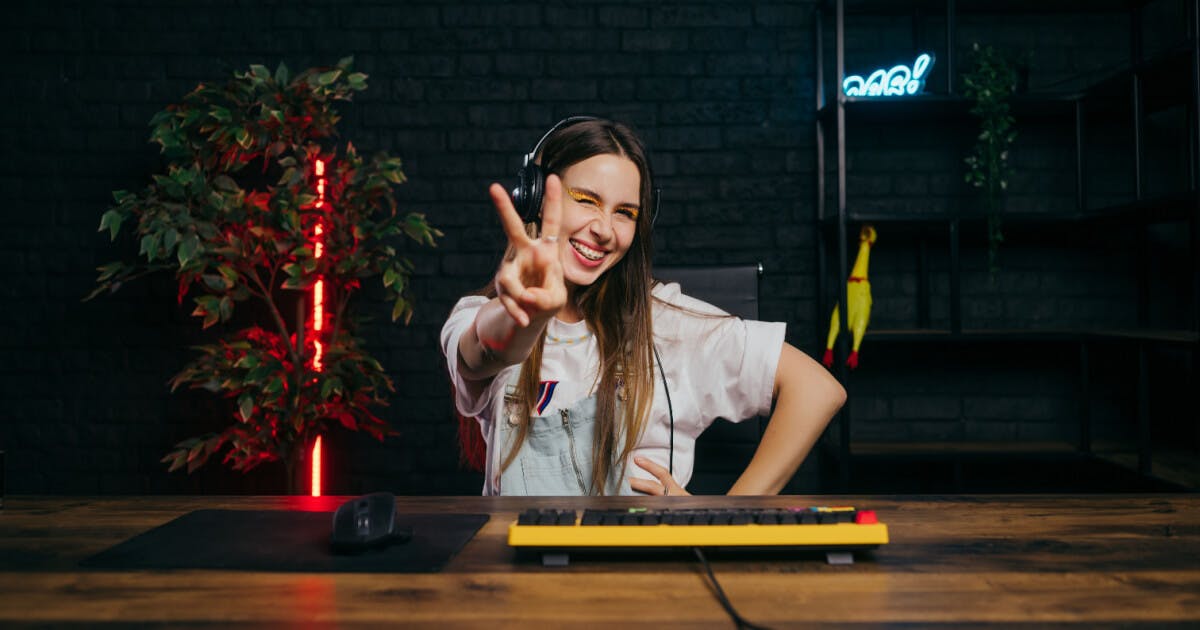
{"x": 834, "y": 529}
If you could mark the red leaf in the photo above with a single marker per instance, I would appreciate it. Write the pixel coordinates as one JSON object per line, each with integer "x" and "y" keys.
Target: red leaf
{"x": 348, "y": 421}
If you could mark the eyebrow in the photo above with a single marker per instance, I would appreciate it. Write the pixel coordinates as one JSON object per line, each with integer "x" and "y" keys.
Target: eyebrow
{"x": 575, "y": 192}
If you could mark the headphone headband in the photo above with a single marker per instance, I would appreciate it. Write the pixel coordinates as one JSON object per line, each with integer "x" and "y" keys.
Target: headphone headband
{"x": 569, "y": 120}
{"x": 531, "y": 179}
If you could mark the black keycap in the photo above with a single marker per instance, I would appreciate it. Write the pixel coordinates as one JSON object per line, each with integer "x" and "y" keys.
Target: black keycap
{"x": 592, "y": 517}
{"x": 528, "y": 517}
{"x": 767, "y": 517}
{"x": 808, "y": 517}
{"x": 720, "y": 518}
{"x": 566, "y": 517}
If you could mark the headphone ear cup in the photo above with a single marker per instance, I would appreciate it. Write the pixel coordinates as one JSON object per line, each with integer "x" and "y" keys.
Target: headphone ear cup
{"x": 527, "y": 196}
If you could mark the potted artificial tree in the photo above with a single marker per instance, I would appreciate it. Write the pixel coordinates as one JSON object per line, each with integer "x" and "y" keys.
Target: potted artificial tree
{"x": 989, "y": 84}
{"x": 259, "y": 204}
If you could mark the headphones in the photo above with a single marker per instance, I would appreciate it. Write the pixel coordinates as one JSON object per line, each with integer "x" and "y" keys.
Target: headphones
{"x": 531, "y": 178}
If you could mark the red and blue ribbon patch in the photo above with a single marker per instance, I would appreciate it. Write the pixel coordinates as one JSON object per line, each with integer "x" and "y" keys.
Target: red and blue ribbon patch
{"x": 545, "y": 393}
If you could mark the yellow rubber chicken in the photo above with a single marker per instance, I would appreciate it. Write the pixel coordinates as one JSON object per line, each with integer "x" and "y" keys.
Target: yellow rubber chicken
{"x": 858, "y": 293}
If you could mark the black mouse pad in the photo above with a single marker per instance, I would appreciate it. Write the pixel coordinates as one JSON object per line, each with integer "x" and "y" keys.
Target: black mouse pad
{"x": 278, "y": 540}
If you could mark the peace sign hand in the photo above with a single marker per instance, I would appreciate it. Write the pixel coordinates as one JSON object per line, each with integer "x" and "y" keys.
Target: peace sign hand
{"x": 529, "y": 282}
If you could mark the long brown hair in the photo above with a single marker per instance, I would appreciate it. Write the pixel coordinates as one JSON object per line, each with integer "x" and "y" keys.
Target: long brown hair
{"x": 616, "y": 308}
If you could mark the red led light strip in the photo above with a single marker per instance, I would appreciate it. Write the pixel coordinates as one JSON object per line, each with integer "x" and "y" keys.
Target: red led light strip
{"x": 318, "y": 313}
{"x": 316, "y": 467}
{"x": 318, "y": 297}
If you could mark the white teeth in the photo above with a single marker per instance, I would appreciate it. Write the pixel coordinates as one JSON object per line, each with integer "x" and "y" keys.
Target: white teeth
{"x": 587, "y": 252}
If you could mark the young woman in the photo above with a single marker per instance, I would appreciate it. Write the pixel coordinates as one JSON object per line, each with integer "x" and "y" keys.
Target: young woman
{"x": 576, "y": 364}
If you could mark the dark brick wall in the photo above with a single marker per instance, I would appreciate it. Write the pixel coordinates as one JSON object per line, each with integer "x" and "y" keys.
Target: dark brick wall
{"x": 722, "y": 91}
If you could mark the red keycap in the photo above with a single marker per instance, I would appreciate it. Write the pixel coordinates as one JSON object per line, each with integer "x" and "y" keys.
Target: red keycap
{"x": 865, "y": 517}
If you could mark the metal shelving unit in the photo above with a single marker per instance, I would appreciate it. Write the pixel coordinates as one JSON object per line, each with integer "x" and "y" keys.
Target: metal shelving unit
{"x": 1129, "y": 95}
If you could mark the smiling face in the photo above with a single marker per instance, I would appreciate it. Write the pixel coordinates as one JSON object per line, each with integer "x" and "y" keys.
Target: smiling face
{"x": 599, "y": 216}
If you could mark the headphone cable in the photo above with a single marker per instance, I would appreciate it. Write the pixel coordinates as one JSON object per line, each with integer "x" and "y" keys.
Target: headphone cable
{"x": 738, "y": 620}
{"x": 670, "y": 412}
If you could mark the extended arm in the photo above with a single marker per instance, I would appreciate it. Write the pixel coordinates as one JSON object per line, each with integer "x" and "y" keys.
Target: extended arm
{"x": 529, "y": 288}
{"x": 806, "y": 398}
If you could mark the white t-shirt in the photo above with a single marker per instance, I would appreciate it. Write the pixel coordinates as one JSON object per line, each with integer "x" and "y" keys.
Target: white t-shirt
{"x": 716, "y": 367}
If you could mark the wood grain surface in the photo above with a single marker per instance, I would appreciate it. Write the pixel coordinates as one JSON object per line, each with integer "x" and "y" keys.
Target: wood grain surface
{"x": 1087, "y": 561}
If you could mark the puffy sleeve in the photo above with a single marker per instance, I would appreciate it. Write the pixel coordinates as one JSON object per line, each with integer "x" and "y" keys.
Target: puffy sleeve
{"x": 470, "y": 397}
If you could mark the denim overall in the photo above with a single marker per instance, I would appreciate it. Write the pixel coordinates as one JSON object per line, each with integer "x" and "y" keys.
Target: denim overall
{"x": 556, "y": 458}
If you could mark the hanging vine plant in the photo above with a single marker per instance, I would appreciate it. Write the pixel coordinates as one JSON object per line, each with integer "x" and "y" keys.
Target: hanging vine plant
{"x": 990, "y": 83}
{"x": 253, "y": 171}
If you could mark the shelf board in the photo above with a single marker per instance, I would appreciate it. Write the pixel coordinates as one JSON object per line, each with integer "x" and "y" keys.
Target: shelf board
{"x": 980, "y": 335}
{"x": 975, "y": 7}
{"x": 956, "y": 450}
{"x": 1030, "y": 336}
{"x": 1155, "y": 336}
{"x": 1180, "y": 206}
{"x": 941, "y": 108}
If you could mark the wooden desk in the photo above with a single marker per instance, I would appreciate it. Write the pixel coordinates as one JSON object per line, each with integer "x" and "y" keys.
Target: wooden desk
{"x": 1090, "y": 560}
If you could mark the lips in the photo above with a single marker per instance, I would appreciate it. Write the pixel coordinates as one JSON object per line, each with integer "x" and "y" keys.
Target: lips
{"x": 587, "y": 255}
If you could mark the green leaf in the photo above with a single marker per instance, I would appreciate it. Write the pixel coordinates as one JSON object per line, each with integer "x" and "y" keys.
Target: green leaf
{"x": 150, "y": 245}
{"x": 221, "y": 114}
{"x": 170, "y": 238}
{"x": 176, "y": 459}
{"x": 109, "y": 270}
{"x": 229, "y": 274}
{"x": 345, "y": 62}
{"x": 402, "y": 307}
{"x": 274, "y": 386}
{"x": 281, "y": 74}
{"x": 225, "y": 183}
{"x": 187, "y": 248}
{"x": 325, "y": 78}
{"x": 287, "y": 174}
{"x": 258, "y": 373}
{"x": 111, "y": 220}
{"x": 225, "y": 308}
{"x": 243, "y": 138}
{"x": 248, "y": 361}
{"x": 245, "y": 406}
{"x": 329, "y": 386}
{"x": 260, "y": 71}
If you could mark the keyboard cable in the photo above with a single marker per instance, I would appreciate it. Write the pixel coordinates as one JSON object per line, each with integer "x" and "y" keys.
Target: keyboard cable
{"x": 739, "y": 620}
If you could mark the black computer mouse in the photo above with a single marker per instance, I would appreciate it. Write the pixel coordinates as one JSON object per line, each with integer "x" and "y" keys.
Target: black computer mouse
{"x": 367, "y": 522}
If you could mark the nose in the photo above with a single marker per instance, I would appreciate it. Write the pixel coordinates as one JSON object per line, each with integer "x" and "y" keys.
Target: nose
{"x": 601, "y": 227}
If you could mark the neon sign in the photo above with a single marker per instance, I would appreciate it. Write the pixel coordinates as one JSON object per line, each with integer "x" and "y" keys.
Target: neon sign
{"x": 899, "y": 81}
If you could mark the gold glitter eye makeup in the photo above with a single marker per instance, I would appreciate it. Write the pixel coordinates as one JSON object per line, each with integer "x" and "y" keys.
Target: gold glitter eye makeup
{"x": 579, "y": 195}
